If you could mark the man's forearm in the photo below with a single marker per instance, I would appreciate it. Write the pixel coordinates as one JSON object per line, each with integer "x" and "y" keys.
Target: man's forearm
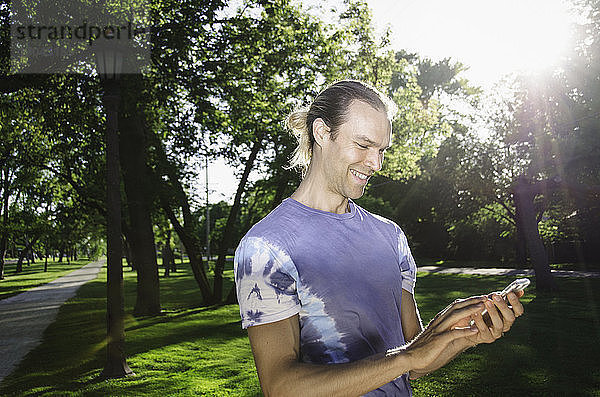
{"x": 348, "y": 379}
{"x": 453, "y": 350}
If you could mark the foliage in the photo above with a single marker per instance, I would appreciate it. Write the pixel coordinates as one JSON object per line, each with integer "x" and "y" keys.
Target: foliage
{"x": 46, "y": 142}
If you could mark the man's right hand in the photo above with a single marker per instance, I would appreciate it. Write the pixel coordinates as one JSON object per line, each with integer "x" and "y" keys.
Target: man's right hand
{"x": 447, "y": 327}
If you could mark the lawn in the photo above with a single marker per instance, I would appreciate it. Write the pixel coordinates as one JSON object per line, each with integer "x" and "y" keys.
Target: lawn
{"x": 33, "y": 275}
{"x": 195, "y": 350}
{"x": 551, "y": 351}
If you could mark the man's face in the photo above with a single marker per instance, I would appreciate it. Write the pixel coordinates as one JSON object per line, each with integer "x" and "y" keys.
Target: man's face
{"x": 357, "y": 151}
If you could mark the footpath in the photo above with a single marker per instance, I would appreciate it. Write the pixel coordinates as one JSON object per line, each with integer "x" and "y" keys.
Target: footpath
{"x": 25, "y": 317}
{"x": 503, "y": 272}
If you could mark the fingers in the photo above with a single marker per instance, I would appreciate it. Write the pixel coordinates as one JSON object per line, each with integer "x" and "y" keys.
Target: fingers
{"x": 455, "y": 315}
{"x": 508, "y": 317}
{"x": 458, "y": 333}
{"x": 445, "y": 338}
{"x": 491, "y": 314}
{"x": 485, "y": 333}
{"x": 426, "y": 347}
{"x": 497, "y": 324}
{"x": 517, "y": 307}
{"x": 508, "y": 313}
{"x": 451, "y": 308}
{"x": 461, "y": 303}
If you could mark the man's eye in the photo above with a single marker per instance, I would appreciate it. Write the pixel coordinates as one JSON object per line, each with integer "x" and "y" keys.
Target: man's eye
{"x": 362, "y": 146}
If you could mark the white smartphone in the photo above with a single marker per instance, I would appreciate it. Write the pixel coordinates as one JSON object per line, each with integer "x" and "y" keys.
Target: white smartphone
{"x": 517, "y": 285}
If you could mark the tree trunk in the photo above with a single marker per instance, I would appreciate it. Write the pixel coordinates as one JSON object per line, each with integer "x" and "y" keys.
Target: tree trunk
{"x": 192, "y": 247}
{"x": 231, "y": 298}
{"x": 116, "y": 364}
{"x": 19, "y": 267}
{"x": 127, "y": 251}
{"x": 233, "y": 212}
{"x": 174, "y": 264}
{"x": 164, "y": 261}
{"x": 2, "y": 254}
{"x": 24, "y": 254}
{"x": 168, "y": 259}
{"x": 135, "y": 177}
{"x": 523, "y": 194}
{"x": 186, "y": 232}
{"x": 181, "y": 252}
{"x": 4, "y": 231}
{"x": 520, "y": 243}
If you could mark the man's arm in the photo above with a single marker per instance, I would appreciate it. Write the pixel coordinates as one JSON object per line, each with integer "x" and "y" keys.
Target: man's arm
{"x": 501, "y": 318}
{"x": 276, "y": 349}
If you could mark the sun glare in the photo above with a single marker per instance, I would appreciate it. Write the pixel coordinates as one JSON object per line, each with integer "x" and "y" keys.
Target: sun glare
{"x": 493, "y": 38}
{"x": 533, "y": 34}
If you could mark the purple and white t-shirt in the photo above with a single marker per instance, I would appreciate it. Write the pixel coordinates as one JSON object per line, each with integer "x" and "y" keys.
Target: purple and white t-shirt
{"x": 342, "y": 273}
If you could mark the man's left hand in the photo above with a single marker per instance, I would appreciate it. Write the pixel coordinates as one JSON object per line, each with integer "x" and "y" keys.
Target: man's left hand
{"x": 499, "y": 317}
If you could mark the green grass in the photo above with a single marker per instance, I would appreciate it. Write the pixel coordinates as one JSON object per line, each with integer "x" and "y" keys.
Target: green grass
{"x": 591, "y": 267}
{"x": 33, "y": 275}
{"x": 194, "y": 350}
{"x": 552, "y": 350}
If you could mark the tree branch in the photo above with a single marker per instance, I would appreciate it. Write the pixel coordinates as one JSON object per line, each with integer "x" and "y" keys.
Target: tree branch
{"x": 81, "y": 193}
{"x": 500, "y": 215}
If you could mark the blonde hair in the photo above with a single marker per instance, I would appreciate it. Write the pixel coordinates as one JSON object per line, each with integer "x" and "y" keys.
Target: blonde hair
{"x": 331, "y": 105}
{"x": 296, "y": 124}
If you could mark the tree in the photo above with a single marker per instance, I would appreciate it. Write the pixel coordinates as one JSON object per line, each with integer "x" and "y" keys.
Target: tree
{"x": 140, "y": 197}
{"x": 270, "y": 59}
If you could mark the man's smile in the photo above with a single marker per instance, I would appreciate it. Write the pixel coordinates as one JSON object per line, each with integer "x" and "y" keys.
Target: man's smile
{"x": 360, "y": 175}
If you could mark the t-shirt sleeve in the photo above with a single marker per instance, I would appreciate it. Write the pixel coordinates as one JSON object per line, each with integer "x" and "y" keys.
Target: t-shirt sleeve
{"x": 266, "y": 280}
{"x": 407, "y": 263}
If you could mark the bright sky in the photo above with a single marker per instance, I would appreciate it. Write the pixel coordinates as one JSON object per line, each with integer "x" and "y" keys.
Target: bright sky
{"x": 493, "y": 38}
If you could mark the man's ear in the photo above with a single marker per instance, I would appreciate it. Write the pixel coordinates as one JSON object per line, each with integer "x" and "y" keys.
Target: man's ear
{"x": 321, "y": 131}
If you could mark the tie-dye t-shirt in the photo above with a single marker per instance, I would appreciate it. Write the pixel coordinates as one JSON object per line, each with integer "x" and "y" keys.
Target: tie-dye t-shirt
{"x": 343, "y": 274}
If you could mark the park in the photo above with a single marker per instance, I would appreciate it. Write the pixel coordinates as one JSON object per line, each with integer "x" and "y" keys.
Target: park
{"x": 116, "y": 251}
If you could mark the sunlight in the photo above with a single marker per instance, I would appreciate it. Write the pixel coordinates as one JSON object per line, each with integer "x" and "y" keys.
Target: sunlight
{"x": 492, "y": 38}
{"x": 532, "y": 36}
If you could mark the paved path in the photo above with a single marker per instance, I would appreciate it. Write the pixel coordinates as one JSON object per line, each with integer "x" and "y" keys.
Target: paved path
{"x": 502, "y": 272}
{"x": 25, "y": 317}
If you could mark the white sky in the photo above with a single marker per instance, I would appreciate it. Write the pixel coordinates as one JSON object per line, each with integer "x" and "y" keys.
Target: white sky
{"x": 493, "y": 38}
{"x": 222, "y": 183}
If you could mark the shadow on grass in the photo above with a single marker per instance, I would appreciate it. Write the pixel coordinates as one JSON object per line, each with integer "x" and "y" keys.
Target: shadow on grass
{"x": 188, "y": 348}
{"x": 551, "y": 351}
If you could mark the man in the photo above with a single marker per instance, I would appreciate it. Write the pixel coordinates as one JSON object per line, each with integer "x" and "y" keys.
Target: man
{"x": 326, "y": 288}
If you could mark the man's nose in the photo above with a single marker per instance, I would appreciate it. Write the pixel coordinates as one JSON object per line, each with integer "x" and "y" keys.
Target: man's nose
{"x": 374, "y": 159}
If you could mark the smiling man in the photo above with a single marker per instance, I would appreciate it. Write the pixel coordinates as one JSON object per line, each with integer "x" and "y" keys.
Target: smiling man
{"x": 326, "y": 288}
